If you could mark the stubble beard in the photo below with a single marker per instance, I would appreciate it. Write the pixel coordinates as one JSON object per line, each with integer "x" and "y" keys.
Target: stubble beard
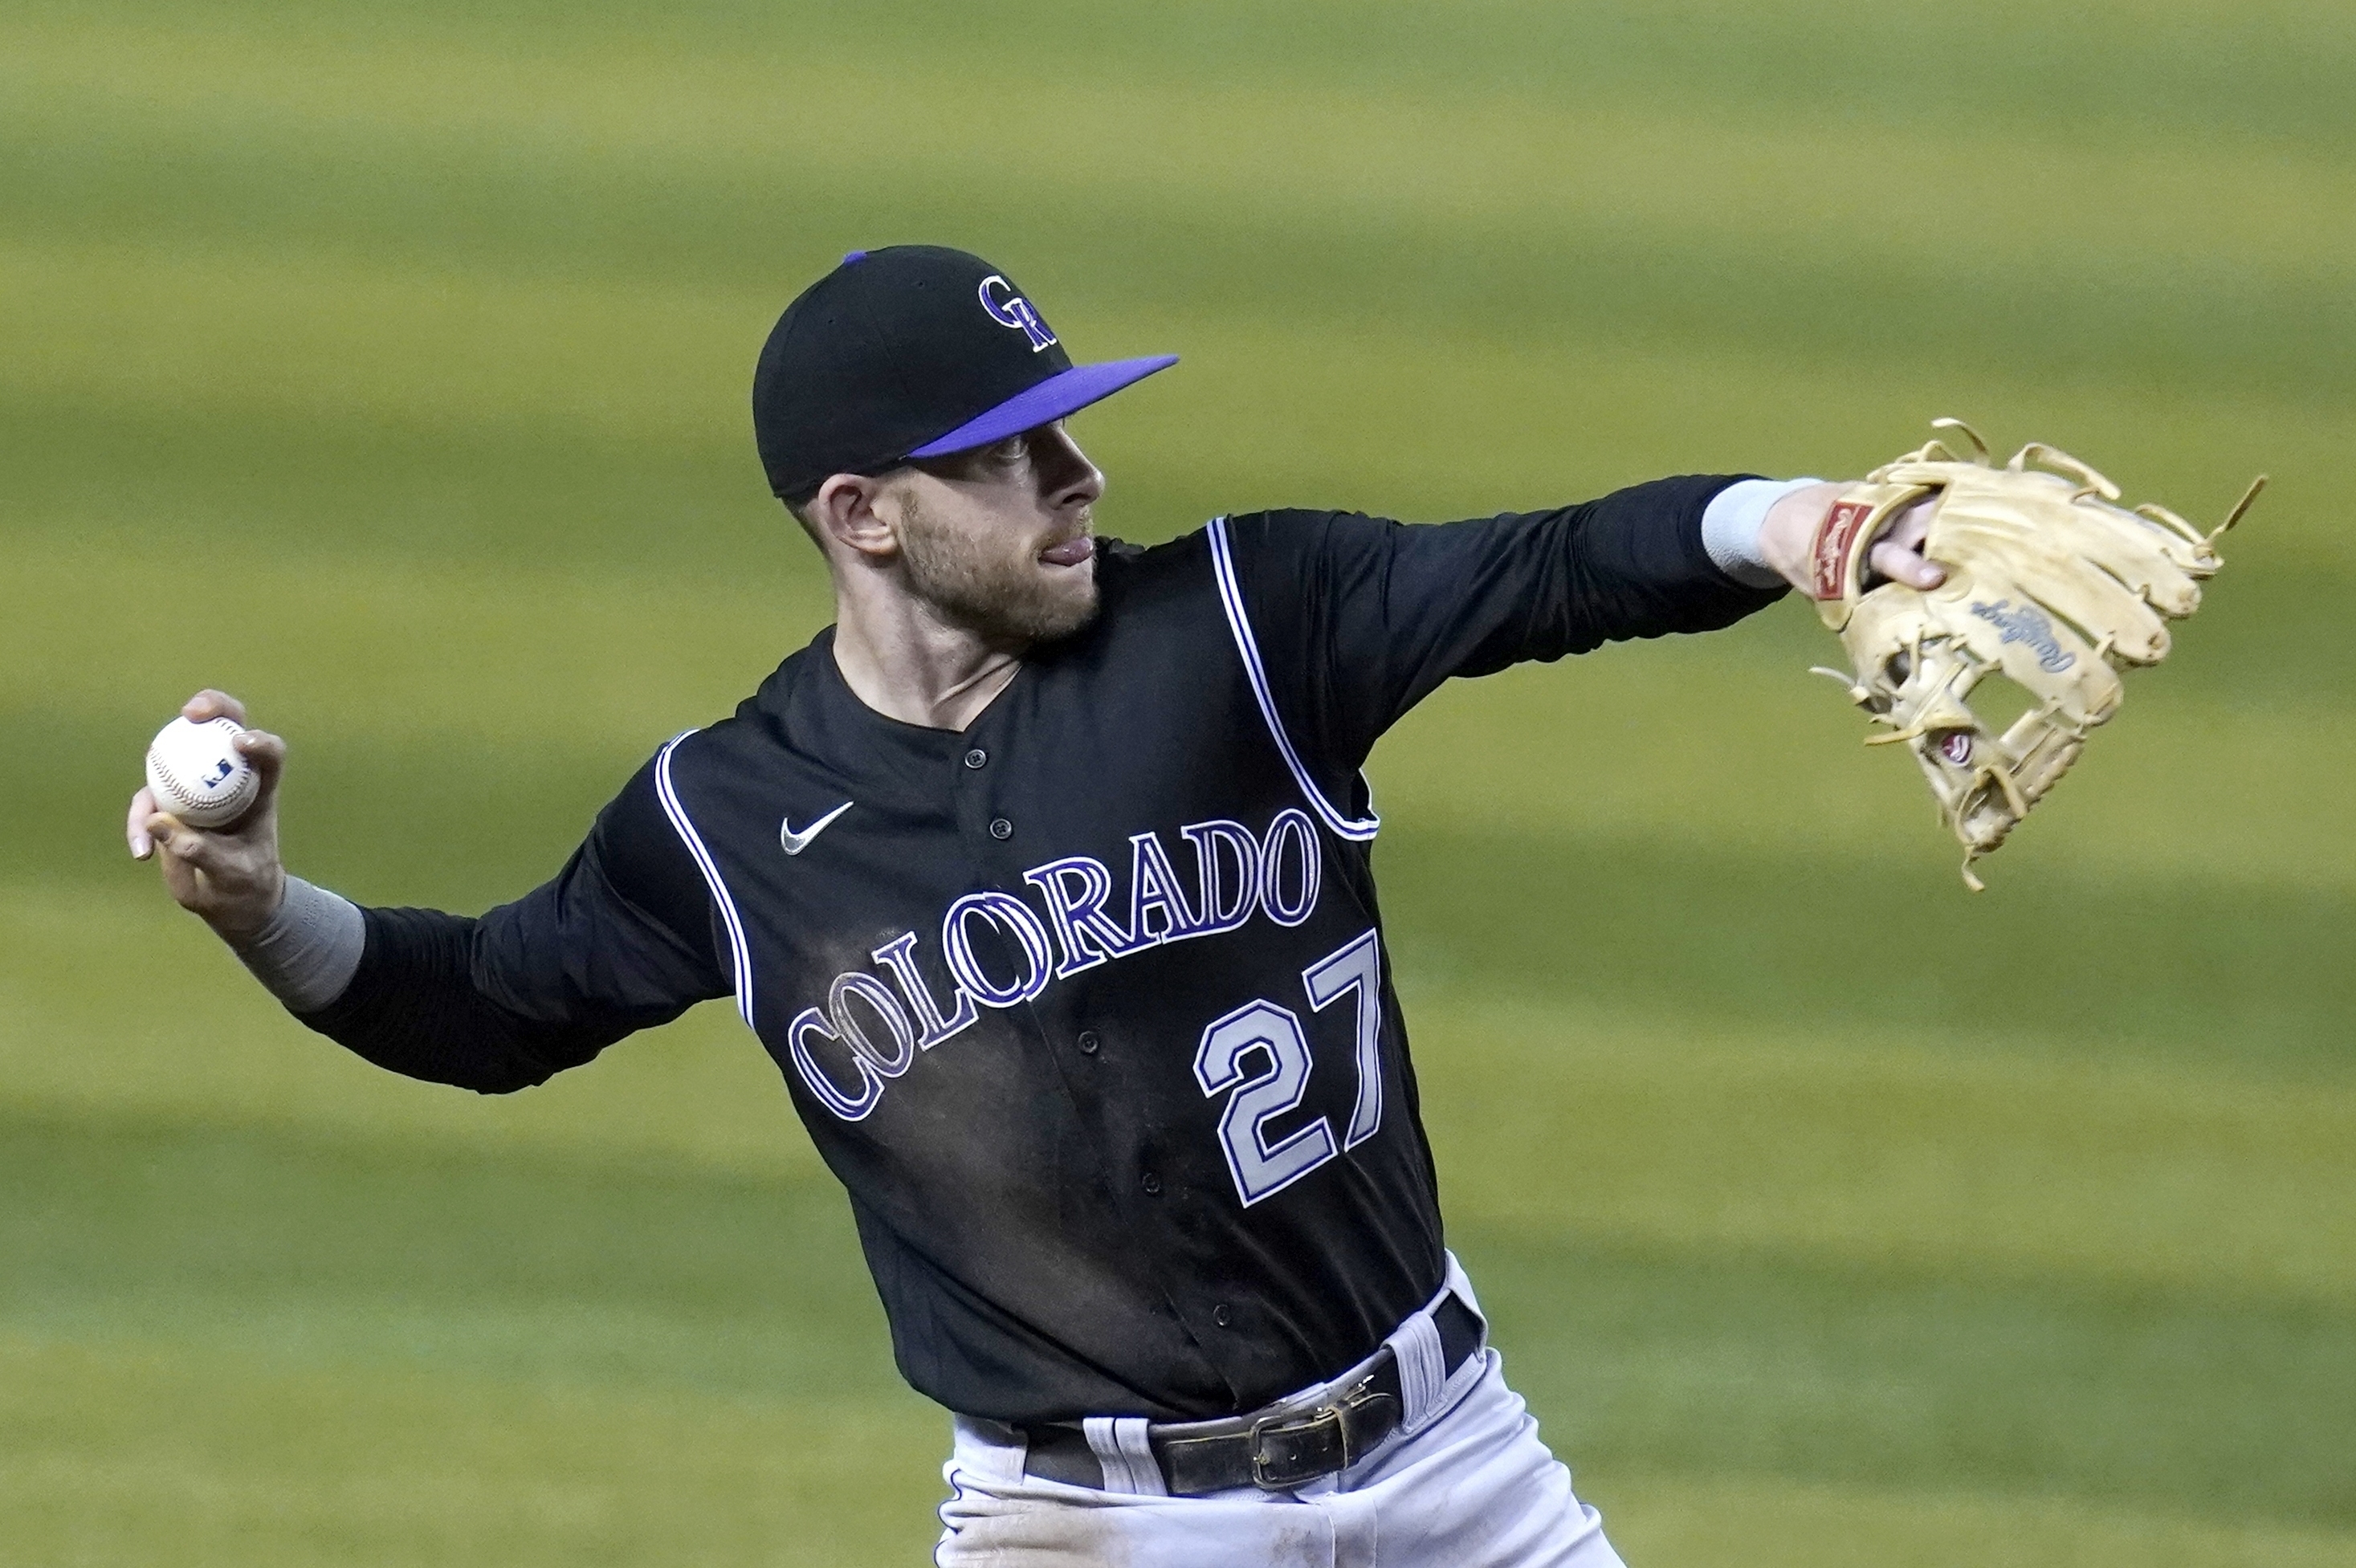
{"x": 998, "y": 590}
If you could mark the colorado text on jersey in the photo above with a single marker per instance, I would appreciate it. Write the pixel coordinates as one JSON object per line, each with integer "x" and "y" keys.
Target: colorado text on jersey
{"x": 1237, "y": 874}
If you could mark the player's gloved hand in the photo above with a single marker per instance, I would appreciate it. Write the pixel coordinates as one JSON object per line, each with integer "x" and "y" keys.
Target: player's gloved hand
{"x": 1789, "y": 534}
{"x": 2050, "y": 582}
{"x": 231, "y": 876}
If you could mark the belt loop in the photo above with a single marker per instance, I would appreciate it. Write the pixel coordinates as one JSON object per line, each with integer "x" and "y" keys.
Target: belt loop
{"x": 1422, "y": 1369}
{"x": 990, "y": 1448}
{"x": 1460, "y": 1286}
{"x": 1120, "y": 1446}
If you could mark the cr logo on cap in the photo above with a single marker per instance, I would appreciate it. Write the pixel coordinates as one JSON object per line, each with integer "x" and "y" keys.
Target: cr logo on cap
{"x": 1009, "y": 309}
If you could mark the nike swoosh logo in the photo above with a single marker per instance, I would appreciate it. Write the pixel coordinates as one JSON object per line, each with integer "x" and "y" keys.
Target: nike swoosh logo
{"x": 793, "y": 843}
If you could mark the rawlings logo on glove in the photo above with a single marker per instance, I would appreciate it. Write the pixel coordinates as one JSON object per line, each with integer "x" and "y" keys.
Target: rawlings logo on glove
{"x": 2026, "y": 625}
{"x": 2048, "y": 583}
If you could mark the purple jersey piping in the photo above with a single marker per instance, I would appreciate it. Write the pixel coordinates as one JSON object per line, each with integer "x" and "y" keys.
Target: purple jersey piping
{"x": 740, "y": 955}
{"x": 1231, "y": 600}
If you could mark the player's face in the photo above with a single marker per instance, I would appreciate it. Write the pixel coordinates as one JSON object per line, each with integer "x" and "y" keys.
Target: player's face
{"x": 998, "y": 540}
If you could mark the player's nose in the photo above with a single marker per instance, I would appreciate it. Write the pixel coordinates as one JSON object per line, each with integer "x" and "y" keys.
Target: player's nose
{"x": 1067, "y": 477}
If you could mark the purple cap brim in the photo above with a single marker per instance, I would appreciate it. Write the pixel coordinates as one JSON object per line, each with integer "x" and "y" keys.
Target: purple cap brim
{"x": 1065, "y": 393}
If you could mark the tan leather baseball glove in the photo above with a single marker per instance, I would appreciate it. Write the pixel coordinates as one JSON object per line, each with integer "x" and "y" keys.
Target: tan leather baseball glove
{"x": 2048, "y": 583}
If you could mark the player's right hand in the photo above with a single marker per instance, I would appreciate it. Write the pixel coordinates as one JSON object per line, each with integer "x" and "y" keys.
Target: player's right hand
{"x": 230, "y": 876}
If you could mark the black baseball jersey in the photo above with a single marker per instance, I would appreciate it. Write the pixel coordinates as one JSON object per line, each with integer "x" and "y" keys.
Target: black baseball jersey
{"x": 1087, "y": 1005}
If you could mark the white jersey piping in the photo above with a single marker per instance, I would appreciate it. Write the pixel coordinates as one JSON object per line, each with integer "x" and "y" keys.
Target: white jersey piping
{"x": 740, "y": 955}
{"x": 1231, "y": 600}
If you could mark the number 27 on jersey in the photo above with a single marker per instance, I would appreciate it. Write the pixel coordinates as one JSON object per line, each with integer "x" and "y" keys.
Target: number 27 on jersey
{"x": 1261, "y": 1169}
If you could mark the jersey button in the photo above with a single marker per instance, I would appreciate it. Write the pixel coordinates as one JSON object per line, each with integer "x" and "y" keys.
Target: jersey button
{"x": 1152, "y": 1185}
{"x": 976, "y": 757}
{"x": 1001, "y": 829}
{"x": 1221, "y": 1315}
{"x": 1088, "y": 1042}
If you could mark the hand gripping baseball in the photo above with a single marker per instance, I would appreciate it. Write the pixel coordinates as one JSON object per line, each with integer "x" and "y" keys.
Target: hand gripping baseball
{"x": 230, "y": 875}
{"x": 2046, "y": 583}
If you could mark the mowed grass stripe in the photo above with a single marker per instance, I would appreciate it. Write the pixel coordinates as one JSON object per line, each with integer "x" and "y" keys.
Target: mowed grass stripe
{"x": 699, "y": 1093}
{"x": 1674, "y": 1519}
{"x": 2191, "y": 779}
{"x": 162, "y": 1450}
{"x": 1878, "y": 943}
{"x": 439, "y": 81}
{"x": 1726, "y": 1362}
{"x": 2113, "y": 321}
{"x": 2264, "y": 67}
{"x": 277, "y": 334}
{"x": 312, "y": 1248}
{"x": 622, "y": 1279}
{"x": 226, "y": 372}
{"x": 1582, "y": 215}
{"x": 646, "y": 112}
{"x": 1954, "y": 1153}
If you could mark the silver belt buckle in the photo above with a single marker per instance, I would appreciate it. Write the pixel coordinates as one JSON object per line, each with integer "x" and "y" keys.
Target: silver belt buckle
{"x": 1338, "y": 1413}
{"x": 1267, "y": 1480}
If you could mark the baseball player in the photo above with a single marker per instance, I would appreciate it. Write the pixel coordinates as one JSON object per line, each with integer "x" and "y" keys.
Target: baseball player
{"x": 1043, "y": 875}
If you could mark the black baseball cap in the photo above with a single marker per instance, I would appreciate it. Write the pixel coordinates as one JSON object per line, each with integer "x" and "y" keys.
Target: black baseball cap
{"x": 912, "y": 351}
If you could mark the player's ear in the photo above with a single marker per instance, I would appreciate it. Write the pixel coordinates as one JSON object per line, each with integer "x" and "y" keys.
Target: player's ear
{"x": 845, "y": 511}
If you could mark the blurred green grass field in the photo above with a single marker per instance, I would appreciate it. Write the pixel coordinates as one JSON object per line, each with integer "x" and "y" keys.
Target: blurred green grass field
{"x": 386, "y": 364}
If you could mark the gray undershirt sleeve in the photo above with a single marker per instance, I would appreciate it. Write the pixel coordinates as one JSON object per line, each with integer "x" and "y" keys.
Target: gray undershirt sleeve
{"x": 310, "y": 949}
{"x": 1730, "y": 524}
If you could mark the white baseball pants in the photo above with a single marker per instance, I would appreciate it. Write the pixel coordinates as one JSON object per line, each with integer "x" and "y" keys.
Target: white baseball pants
{"x": 1472, "y": 1487}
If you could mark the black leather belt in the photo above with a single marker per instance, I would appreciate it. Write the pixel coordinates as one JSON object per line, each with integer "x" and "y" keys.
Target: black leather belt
{"x": 1276, "y": 1452}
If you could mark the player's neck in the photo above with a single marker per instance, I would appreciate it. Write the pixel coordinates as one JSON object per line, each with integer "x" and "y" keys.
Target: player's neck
{"x": 907, "y": 664}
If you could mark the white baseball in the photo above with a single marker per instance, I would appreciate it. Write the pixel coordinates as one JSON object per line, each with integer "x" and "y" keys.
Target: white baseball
{"x": 197, "y": 776}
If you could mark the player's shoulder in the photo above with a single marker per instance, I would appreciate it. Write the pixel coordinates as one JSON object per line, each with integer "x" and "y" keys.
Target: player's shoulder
{"x": 1300, "y": 533}
{"x": 1128, "y": 561}
{"x": 1133, "y": 578}
{"x": 1277, "y": 533}
{"x": 1291, "y": 555}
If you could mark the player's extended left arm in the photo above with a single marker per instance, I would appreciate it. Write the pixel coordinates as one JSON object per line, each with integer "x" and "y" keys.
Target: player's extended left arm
{"x": 1361, "y": 618}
